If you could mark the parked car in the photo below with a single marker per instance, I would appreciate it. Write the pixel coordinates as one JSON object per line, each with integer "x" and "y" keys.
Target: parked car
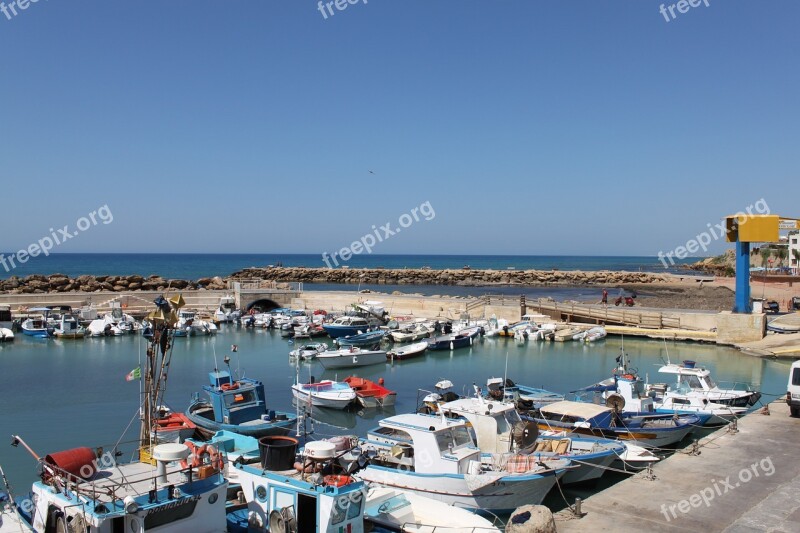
{"x": 772, "y": 307}
{"x": 796, "y": 303}
{"x": 793, "y": 389}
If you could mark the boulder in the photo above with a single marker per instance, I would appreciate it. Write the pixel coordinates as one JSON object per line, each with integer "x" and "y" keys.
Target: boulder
{"x": 531, "y": 519}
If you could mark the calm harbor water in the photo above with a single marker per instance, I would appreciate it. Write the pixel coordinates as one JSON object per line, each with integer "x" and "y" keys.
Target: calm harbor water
{"x": 62, "y": 394}
{"x": 194, "y": 266}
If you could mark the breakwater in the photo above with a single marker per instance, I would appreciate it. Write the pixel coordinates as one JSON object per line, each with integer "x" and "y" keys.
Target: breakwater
{"x": 38, "y": 283}
{"x": 464, "y": 277}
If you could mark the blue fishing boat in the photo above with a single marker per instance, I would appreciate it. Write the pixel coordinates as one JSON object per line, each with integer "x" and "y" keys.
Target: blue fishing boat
{"x": 525, "y": 398}
{"x": 37, "y": 326}
{"x": 346, "y": 325}
{"x": 462, "y": 339}
{"x": 238, "y": 406}
{"x": 369, "y": 338}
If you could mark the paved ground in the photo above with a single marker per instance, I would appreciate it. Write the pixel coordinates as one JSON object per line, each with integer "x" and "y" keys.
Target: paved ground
{"x": 741, "y": 482}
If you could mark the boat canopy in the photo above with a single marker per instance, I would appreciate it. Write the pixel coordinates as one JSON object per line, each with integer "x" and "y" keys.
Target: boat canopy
{"x": 575, "y": 409}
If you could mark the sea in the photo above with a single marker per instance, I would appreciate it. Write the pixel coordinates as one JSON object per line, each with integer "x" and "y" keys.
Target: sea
{"x": 194, "y": 266}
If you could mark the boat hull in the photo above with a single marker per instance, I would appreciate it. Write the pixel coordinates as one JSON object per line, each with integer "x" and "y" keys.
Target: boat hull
{"x": 505, "y": 495}
{"x": 352, "y": 361}
{"x": 207, "y": 427}
{"x": 330, "y": 400}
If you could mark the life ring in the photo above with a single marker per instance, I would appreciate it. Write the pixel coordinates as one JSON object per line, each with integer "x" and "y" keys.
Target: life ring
{"x": 216, "y": 459}
{"x": 229, "y": 386}
{"x": 337, "y": 481}
{"x": 196, "y": 455}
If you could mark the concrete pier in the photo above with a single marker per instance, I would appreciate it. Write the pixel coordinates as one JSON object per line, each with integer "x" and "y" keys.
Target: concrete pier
{"x": 741, "y": 482}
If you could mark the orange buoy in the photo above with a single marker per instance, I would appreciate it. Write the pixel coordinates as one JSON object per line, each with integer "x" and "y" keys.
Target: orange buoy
{"x": 337, "y": 481}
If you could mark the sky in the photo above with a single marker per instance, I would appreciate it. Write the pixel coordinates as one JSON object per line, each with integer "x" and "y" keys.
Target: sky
{"x": 534, "y": 127}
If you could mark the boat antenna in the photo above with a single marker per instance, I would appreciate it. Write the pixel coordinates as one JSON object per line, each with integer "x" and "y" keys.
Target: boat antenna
{"x": 505, "y": 375}
{"x": 214, "y": 351}
{"x": 666, "y": 349}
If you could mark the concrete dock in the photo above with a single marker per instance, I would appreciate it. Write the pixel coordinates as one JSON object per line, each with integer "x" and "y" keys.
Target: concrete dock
{"x": 741, "y": 482}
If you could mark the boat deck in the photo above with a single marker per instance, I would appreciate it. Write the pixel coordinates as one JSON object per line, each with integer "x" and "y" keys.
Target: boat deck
{"x": 132, "y": 479}
{"x": 750, "y": 480}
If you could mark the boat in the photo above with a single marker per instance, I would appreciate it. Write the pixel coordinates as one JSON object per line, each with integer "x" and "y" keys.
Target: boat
{"x": 125, "y": 322}
{"x": 285, "y": 491}
{"x": 351, "y": 357}
{"x": 172, "y": 427}
{"x": 6, "y": 335}
{"x": 523, "y": 397}
{"x": 370, "y": 338}
{"x": 454, "y": 341}
{"x": 37, "y": 326}
{"x": 191, "y": 324}
{"x": 409, "y": 512}
{"x": 326, "y": 393}
{"x": 85, "y": 489}
{"x": 11, "y": 520}
{"x": 68, "y": 327}
{"x": 690, "y": 378}
{"x": 104, "y": 327}
{"x": 626, "y": 391}
{"x": 227, "y": 311}
{"x": 411, "y": 334}
{"x": 499, "y": 429}
{"x": 408, "y": 351}
{"x": 651, "y": 430}
{"x": 371, "y": 394}
{"x": 238, "y": 406}
{"x": 6, "y": 324}
{"x": 591, "y": 335}
{"x": 309, "y": 351}
{"x": 633, "y": 459}
{"x": 346, "y": 325}
{"x": 307, "y": 331}
{"x": 436, "y": 457}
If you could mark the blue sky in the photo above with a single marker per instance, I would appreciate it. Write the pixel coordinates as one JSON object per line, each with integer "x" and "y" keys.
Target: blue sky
{"x": 531, "y": 127}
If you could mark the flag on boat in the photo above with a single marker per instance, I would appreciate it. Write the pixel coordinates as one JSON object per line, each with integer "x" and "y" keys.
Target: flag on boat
{"x": 136, "y": 373}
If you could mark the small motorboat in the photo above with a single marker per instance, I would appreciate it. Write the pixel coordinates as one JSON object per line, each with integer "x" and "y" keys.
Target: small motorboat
{"x": 453, "y": 341}
{"x": 400, "y": 510}
{"x": 346, "y": 325}
{"x": 227, "y": 311}
{"x": 6, "y": 335}
{"x": 68, "y": 327}
{"x": 326, "y": 393}
{"x": 351, "y": 357}
{"x": 591, "y": 335}
{"x": 309, "y": 351}
{"x": 407, "y": 352}
{"x": 690, "y": 378}
{"x": 525, "y": 398}
{"x": 371, "y": 394}
{"x": 411, "y": 334}
{"x": 370, "y": 338}
{"x": 104, "y": 327}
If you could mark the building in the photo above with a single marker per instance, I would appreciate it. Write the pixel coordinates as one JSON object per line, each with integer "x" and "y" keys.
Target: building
{"x": 794, "y": 251}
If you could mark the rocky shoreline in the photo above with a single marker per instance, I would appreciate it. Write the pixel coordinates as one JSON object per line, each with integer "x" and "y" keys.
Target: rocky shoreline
{"x": 462, "y": 277}
{"x": 59, "y": 283}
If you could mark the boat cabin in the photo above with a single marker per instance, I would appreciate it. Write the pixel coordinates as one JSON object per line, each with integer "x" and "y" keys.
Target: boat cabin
{"x": 492, "y": 422}
{"x": 688, "y": 377}
{"x": 235, "y": 402}
{"x": 429, "y": 444}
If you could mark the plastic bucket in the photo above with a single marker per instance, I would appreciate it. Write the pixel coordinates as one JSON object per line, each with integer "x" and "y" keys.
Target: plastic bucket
{"x": 277, "y": 453}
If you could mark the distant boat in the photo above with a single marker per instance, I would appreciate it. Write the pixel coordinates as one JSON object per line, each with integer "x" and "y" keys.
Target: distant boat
{"x": 370, "y": 338}
{"x": 68, "y": 327}
{"x": 591, "y": 335}
{"x": 172, "y": 427}
{"x": 371, "y": 394}
{"x": 351, "y": 357}
{"x": 454, "y": 341}
{"x": 408, "y": 351}
{"x": 346, "y": 325}
{"x": 6, "y": 335}
{"x": 525, "y": 398}
{"x": 227, "y": 312}
{"x": 326, "y": 393}
{"x": 309, "y": 351}
{"x": 37, "y": 326}
{"x": 238, "y": 406}
{"x": 411, "y": 334}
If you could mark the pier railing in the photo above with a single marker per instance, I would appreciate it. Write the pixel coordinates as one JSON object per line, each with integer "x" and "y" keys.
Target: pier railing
{"x": 265, "y": 284}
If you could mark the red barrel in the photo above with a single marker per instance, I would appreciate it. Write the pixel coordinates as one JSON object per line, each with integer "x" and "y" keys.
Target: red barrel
{"x": 73, "y": 461}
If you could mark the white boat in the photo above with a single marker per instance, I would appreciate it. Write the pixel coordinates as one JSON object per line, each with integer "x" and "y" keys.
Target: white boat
{"x": 68, "y": 327}
{"x": 309, "y": 351}
{"x": 190, "y": 324}
{"x": 227, "y": 312}
{"x": 687, "y": 377}
{"x": 436, "y": 457}
{"x": 37, "y": 326}
{"x": 499, "y": 430}
{"x": 409, "y": 512}
{"x": 287, "y": 493}
{"x": 326, "y": 393}
{"x": 6, "y": 335}
{"x": 6, "y": 324}
{"x": 591, "y": 335}
{"x": 104, "y": 327}
{"x": 411, "y": 334}
{"x": 125, "y": 322}
{"x": 408, "y": 351}
{"x": 351, "y": 357}
{"x": 495, "y": 326}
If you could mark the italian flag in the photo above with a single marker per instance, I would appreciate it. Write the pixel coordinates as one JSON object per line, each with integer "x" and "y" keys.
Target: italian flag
{"x": 136, "y": 373}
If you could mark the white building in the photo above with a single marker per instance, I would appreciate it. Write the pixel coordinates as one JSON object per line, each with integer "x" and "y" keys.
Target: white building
{"x": 794, "y": 248}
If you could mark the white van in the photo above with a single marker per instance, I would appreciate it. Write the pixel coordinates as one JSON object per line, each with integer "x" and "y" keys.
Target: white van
{"x": 793, "y": 389}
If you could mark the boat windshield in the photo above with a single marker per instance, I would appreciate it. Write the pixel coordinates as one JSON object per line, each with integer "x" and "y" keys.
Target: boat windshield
{"x": 689, "y": 382}
{"x": 453, "y": 438}
{"x": 711, "y": 383}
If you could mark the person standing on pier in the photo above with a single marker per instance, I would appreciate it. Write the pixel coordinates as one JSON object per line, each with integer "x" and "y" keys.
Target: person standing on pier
{"x": 604, "y": 301}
